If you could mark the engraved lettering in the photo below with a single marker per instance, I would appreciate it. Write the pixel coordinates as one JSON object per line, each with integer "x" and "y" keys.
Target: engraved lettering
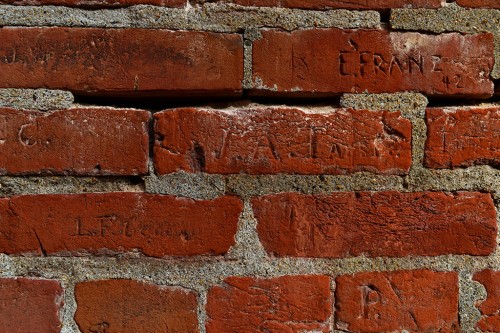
{"x": 396, "y": 63}
{"x": 436, "y": 61}
{"x": 265, "y": 144}
{"x": 25, "y": 135}
{"x": 378, "y": 61}
{"x": 100, "y": 327}
{"x": 365, "y": 61}
{"x": 344, "y": 71}
{"x": 418, "y": 63}
{"x": 371, "y": 296}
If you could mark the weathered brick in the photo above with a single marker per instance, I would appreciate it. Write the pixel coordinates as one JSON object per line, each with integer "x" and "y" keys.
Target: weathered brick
{"x": 28, "y": 305}
{"x": 282, "y": 141}
{"x": 128, "y": 306}
{"x": 109, "y": 223}
{"x": 284, "y": 304}
{"x": 410, "y": 301}
{"x": 479, "y": 3}
{"x": 462, "y": 137}
{"x": 121, "y": 61}
{"x": 95, "y": 3}
{"x": 93, "y": 141}
{"x": 351, "y": 4}
{"x": 389, "y": 224}
{"x": 333, "y": 61}
{"x": 490, "y": 308}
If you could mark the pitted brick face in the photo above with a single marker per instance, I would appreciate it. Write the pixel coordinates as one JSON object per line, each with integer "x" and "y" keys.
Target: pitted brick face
{"x": 127, "y": 306}
{"x": 121, "y": 61}
{"x": 282, "y": 140}
{"x": 462, "y": 137}
{"x": 392, "y": 224}
{"x": 30, "y": 305}
{"x": 79, "y": 141}
{"x": 490, "y": 307}
{"x": 114, "y": 223}
{"x": 479, "y": 3}
{"x": 374, "y": 61}
{"x": 292, "y": 304}
{"x": 411, "y": 301}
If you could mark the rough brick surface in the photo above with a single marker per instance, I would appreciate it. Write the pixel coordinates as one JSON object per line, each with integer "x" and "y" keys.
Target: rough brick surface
{"x": 351, "y": 4}
{"x": 390, "y": 224}
{"x": 410, "y": 301}
{"x": 490, "y": 308}
{"x": 282, "y": 141}
{"x": 154, "y": 225}
{"x": 479, "y": 3}
{"x": 96, "y": 141}
{"x": 96, "y": 3}
{"x": 28, "y": 305}
{"x": 355, "y": 61}
{"x": 462, "y": 137}
{"x": 292, "y": 304}
{"x": 120, "y": 61}
{"x": 127, "y": 306}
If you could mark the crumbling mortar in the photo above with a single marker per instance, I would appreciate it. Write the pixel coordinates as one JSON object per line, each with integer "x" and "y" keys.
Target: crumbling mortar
{"x": 219, "y": 17}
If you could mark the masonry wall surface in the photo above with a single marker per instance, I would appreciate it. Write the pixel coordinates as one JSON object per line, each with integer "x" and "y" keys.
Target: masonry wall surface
{"x": 249, "y": 166}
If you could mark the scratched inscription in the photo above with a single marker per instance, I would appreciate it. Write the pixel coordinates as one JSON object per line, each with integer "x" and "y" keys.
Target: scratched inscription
{"x": 113, "y": 226}
{"x": 364, "y": 64}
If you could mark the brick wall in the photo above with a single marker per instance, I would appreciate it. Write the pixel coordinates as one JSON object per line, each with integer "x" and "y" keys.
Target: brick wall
{"x": 249, "y": 166}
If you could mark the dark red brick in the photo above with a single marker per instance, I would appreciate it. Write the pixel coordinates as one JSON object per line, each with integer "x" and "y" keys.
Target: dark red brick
{"x": 411, "y": 301}
{"x": 334, "y": 61}
{"x": 462, "y": 137}
{"x": 109, "y": 223}
{"x": 490, "y": 308}
{"x": 479, "y": 3}
{"x": 351, "y": 4}
{"x": 121, "y": 61}
{"x": 292, "y": 304}
{"x": 282, "y": 141}
{"x": 93, "y": 141}
{"x": 127, "y": 306}
{"x": 391, "y": 224}
{"x": 28, "y": 305}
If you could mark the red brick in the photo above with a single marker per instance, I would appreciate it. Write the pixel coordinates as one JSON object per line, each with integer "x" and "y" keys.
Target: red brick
{"x": 91, "y": 141}
{"x": 96, "y": 3}
{"x": 282, "y": 141}
{"x": 376, "y": 61}
{"x": 411, "y": 301}
{"x": 351, "y": 4}
{"x": 105, "y": 224}
{"x": 28, "y": 305}
{"x": 462, "y": 137}
{"x": 490, "y": 308}
{"x": 121, "y": 61}
{"x": 479, "y": 3}
{"x": 128, "y": 306}
{"x": 391, "y": 224}
{"x": 291, "y": 304}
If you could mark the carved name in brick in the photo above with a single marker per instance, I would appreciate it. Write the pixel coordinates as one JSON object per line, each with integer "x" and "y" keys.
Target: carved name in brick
{"x": 273, "y": 141}
{"x": 415, "y": 301}
{"x": 74, "y": 141}
{"x": 376, "y": 224}
{"x": 376, "y": 61}
{"x": 154, "y": 225}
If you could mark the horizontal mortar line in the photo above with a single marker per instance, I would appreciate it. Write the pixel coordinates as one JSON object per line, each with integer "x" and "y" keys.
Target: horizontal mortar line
{"x": 174, "y": 271}
{"x": 207, "y": 17}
